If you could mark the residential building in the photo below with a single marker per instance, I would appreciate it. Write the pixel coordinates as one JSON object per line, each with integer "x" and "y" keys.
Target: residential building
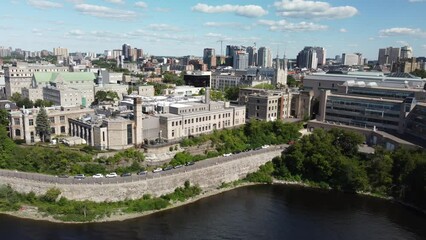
{"x": 406, "y": 52}
{"x": 252, "y": 56}
{"x": 60, "y": 52}
{"x": 240, "y": 60}
{"x": 264, "y": 57}
{"x": 350, "y": 59}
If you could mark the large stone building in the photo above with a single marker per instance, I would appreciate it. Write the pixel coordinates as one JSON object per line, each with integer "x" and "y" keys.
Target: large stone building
{"x": 21, "y": 75}
{"x": 23, "y": 122}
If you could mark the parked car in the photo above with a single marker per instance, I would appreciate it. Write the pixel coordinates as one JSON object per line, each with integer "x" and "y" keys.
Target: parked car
{"x": 157, "y": 170}
{"x": 227, "y": 154}
{"x": 189, "y": 163}
{"x": 168, "y": 168}
{"x": 142, "y": 172}
{"x": 63, "y": 176}
{"x": 111, "y": 175}
{"x": 126, "y": 174}
{"x": 265, "y": 146}
{"x": 178, "y": 166}
{"x": 99, "y": 175}
{"x": 79, "y": 176}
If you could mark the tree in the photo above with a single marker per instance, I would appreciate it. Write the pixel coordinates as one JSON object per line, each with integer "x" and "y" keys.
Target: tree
{"x": 7, "y": 147}
{"x": 292, "y": 82}
{"x": 43, "y": 124}
{"x": 232, "y": 93}
{"x": 16, "y": 97}
{"x": 216, "y": 96}
{"x": 43, "y": 103}
{"x": 4, "y": 119}
{"x": 419, "y": 73}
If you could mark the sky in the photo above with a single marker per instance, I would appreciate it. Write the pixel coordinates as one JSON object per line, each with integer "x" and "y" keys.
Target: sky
{"x": 186, "y": 27}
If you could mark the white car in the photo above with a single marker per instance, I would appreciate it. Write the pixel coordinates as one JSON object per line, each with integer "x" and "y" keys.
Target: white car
{"x": 99, "y": 175}
{"x": 227, "y": 154}
{"x": 111, "y": 175}
{"x": 157, "y": 170}
{"x": 265, "y": 146}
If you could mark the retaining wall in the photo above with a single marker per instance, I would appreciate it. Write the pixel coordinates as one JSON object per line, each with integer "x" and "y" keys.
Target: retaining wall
{"x": 206, "y": 177}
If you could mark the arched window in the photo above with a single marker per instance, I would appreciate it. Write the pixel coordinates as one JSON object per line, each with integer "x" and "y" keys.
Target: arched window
{"x": 17, "y": 132}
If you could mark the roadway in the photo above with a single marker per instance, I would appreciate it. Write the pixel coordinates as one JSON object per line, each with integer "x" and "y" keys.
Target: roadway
{"x": 134, "y": 177}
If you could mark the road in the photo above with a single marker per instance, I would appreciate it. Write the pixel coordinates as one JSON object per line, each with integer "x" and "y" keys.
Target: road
{"x": 89, "y": 180}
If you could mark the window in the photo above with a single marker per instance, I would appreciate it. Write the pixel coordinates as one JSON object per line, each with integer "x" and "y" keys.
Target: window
{"x": 103, "y": 136}
{"x": 63, "y": 129}
{"x": 52, "y": 119}
{"x": 129, "y": 134}
{"x": 52, "y": 130}
{"x": 31, "y": 122}
{"x": 17, "y": 132}
{"x": 17, "y": 121}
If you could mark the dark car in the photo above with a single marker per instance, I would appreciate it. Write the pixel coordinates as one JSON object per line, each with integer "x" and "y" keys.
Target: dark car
{"x": 142, "y": 172}
{"x": 189, "y": 163}
{"x": 126, "y": 175}
{"x": 167, "y": 168}
{"x": 79, "y": 176}
{"x": 63, "y": 176}
{"x": 178, "y": 166}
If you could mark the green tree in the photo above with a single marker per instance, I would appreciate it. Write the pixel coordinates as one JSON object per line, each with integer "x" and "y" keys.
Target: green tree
{"x": 4, "y": 118}
{"x": 232, "y": 93}
{"x": 16, "y": 97}
{"x": 419, "y": 73}
{"x": 42, "y": 103}
{"x": 292, "y": 82}
{"x": 7, "y": 147}
{"x": 216, "y": 95}
{"x": 265, "y": 86}
{"x": 43, "y": 124}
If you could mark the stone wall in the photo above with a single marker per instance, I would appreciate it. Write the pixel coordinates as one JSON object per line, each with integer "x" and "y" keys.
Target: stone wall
{"x": 207, "y": 177}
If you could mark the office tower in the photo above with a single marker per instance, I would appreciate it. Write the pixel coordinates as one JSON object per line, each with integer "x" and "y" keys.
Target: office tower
{"x": 252, "y": 55}
{"x": 264, "y": 57}
{"x": 351, "y": 59}
{"x": 126, "y": 51}
{"x": 389, "y": 55}
{"x": 321, "y": 55}
{"x": 406, "y": 52}
{"x": 63, "y": 52}
{"x": 307, "y": 58}
{"x": 240, "y": 60}
{"x": 209, "y": 57}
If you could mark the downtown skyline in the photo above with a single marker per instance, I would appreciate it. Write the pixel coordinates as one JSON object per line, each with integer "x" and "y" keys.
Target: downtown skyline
{"x": 187, "y": 27}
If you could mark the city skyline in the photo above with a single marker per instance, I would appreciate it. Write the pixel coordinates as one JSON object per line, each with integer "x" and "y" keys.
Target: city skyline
{"x": 187, "y": 27}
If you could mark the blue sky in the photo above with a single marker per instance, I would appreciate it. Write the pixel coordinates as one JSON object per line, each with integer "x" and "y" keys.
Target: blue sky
{"x": 185, "y": 27}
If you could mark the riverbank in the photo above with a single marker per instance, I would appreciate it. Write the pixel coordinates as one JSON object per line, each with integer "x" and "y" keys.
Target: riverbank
{"x": 32, "y": 213}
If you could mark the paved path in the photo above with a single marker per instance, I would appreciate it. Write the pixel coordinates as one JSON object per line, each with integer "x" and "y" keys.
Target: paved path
{"x": 89, "y": 180}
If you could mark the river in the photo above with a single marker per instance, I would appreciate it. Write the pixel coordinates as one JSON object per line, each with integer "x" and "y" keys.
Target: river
{"x": 255, "y": 212}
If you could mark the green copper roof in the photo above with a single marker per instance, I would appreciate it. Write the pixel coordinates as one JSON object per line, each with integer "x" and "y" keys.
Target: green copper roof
{"x": 45, "y": 77}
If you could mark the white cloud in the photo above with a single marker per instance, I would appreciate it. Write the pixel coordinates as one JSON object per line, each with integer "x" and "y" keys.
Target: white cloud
{"x": 163, "y": 9}
{"x": 402, "y": 31}
{"x": 75, "y": 1}
{"x": 313, "y": 10}
{"x": 141, "y": 4}
{"x": 285, "y": 26}
{"x": 43, "y": 4}
{"x": 163, "y": 27}
{"x": 343, "y": 30}
{"x": 403, "y": 43}
{"x": 251, "y": 11}
{"x": 115, "y": 1}
{"x": 228, "y": 25}
{"x": 104, "y": 12}
{"x": 76, "y": 32}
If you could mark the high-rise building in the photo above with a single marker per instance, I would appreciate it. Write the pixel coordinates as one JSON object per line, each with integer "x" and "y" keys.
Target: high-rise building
{"x": 406, "y": 52}
{"x": 264, "y": 57}
{"x": 389, "y": 55}
{"x": 307, "y": 58}
{"x": 321, "y": 55}
{"x": 209, "y": 57}
{"x": 63, "y": 52}
{"x": 252, "y": 55}
{"x": 351, "y": 59}
{"x": 240, "y": 60}
{"x": 126, "y": 51}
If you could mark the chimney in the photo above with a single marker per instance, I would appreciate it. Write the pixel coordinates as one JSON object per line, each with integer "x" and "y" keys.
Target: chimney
{"x": 207, "y": 95}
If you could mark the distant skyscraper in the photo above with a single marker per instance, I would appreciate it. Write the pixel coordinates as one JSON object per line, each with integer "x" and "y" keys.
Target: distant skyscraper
{"x": 209, "y": 57}
{"x": 321, "y": 55}
{"x": 406, "y": 52}
{"x": 252, "y": 55}
{"x": 240, "y": 60}
{"x": 350, "y": 59}
{"x": 60, "y": 52}
{"x": 307, "y": 58}
{"x": 126, "y": 51}
{"x": 389, "y": 55}
{"x": 264, "y": 57}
